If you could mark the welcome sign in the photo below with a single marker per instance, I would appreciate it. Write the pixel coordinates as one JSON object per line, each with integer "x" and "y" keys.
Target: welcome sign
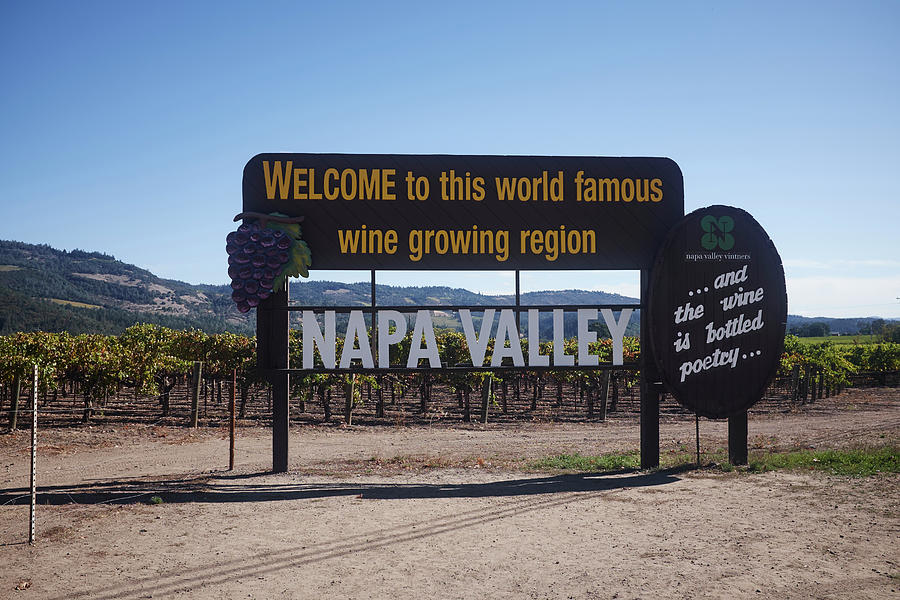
{"x": 712, "y": 285}
{"x": 394, "y": 211}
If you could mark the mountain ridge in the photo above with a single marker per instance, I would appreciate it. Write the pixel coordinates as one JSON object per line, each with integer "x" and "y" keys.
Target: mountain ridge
{"x": 43, "y": 288}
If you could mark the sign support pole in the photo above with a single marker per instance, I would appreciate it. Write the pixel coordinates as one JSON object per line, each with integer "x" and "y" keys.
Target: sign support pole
{"x": 373, "y": 340}
{"x": 737, "y": 439}
{"x": 518, "y": 303}
{"x": 231, "y": 421}
{"x": 649, "y": 387}
{"x": 273, "y": 330}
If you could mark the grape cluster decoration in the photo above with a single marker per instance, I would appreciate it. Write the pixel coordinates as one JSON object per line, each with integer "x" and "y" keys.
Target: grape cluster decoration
{"x": 262, "y": 254}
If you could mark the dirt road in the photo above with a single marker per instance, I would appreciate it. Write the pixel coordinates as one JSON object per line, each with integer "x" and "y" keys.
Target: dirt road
{"x": 375, "y": 512}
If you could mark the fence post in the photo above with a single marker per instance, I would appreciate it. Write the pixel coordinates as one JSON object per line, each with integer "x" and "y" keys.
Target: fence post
{"x": 379, "y": 398}
{"x": 486, "y": 397}
{"x": 795, "y": 383}
{"x": 806, "y": 375}
{"x": 697, "y": 435}
{"x": 349, "y": 389}
{"x": 195, "y": 393}
{"x": 614, "y": 400}
{"x": 14, "y": 405}
{"x": 604, "y": 394}
{"x": 34, "y": 415}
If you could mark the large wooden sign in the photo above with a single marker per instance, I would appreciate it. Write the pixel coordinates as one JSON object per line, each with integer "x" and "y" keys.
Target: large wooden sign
{"x": 713, "y": 297}
{"x": 717, "y": 310}
{"x": 390, "y": 211}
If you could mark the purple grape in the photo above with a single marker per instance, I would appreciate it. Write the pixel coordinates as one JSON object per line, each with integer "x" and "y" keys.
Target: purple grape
{"x": 255, "y": 257}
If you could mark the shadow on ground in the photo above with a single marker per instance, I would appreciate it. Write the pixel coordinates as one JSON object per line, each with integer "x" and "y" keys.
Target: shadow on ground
{"x": 251, "y": 488}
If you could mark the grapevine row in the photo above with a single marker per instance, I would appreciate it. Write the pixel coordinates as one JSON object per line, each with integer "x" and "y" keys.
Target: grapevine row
{"x": 150, "y": 359}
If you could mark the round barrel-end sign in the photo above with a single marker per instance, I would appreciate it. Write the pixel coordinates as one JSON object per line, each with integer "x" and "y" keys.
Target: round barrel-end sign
{"x": 717, "y": 311}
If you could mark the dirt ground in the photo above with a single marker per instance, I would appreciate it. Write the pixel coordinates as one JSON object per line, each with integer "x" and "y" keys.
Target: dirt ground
{"x": 449, "y": 512}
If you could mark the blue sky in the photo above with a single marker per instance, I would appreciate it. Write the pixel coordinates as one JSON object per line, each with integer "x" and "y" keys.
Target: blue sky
{"x": 125, "y": 126}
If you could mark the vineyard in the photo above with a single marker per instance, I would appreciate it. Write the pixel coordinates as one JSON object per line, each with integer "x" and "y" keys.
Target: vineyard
{"x": 158, "y": 375}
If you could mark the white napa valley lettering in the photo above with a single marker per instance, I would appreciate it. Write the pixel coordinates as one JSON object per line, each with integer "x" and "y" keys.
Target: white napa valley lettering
{"x": 535, "y": 358}
{"x": 717, "y": 359}
{"x": 313, "y": 338}
{"x": 507, "y": 333}
{"x": 560, "y": 358}
{"x": 356, "y": 332}
{"x": 423, "y": 330}
{"x": 386, "y": 337}
{"x": 617, "y": 331}
{"x": 392, "y": 327}
{"x": 477, "y": 344}
{"x": 736, "y": 326}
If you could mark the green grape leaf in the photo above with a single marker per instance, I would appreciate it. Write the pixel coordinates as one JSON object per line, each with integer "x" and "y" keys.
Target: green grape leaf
{"x": 300, "y": 256}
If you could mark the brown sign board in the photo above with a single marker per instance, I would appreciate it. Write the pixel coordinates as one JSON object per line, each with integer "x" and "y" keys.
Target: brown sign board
{"x": 422, "y": 212}
{"x": 717, "y": 311}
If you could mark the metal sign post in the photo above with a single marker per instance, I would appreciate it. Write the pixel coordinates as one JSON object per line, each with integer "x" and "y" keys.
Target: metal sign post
{"x": 231, "y": 421}
{"x": 34, "y": 416}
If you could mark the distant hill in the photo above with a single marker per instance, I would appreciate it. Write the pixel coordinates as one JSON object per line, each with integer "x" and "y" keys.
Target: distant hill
{"x": 833, "y": 326}
{"x": 42, "y": 288}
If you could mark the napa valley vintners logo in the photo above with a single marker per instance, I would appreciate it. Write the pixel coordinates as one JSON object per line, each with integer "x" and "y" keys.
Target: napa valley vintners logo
{"x": 717, "y": 233}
